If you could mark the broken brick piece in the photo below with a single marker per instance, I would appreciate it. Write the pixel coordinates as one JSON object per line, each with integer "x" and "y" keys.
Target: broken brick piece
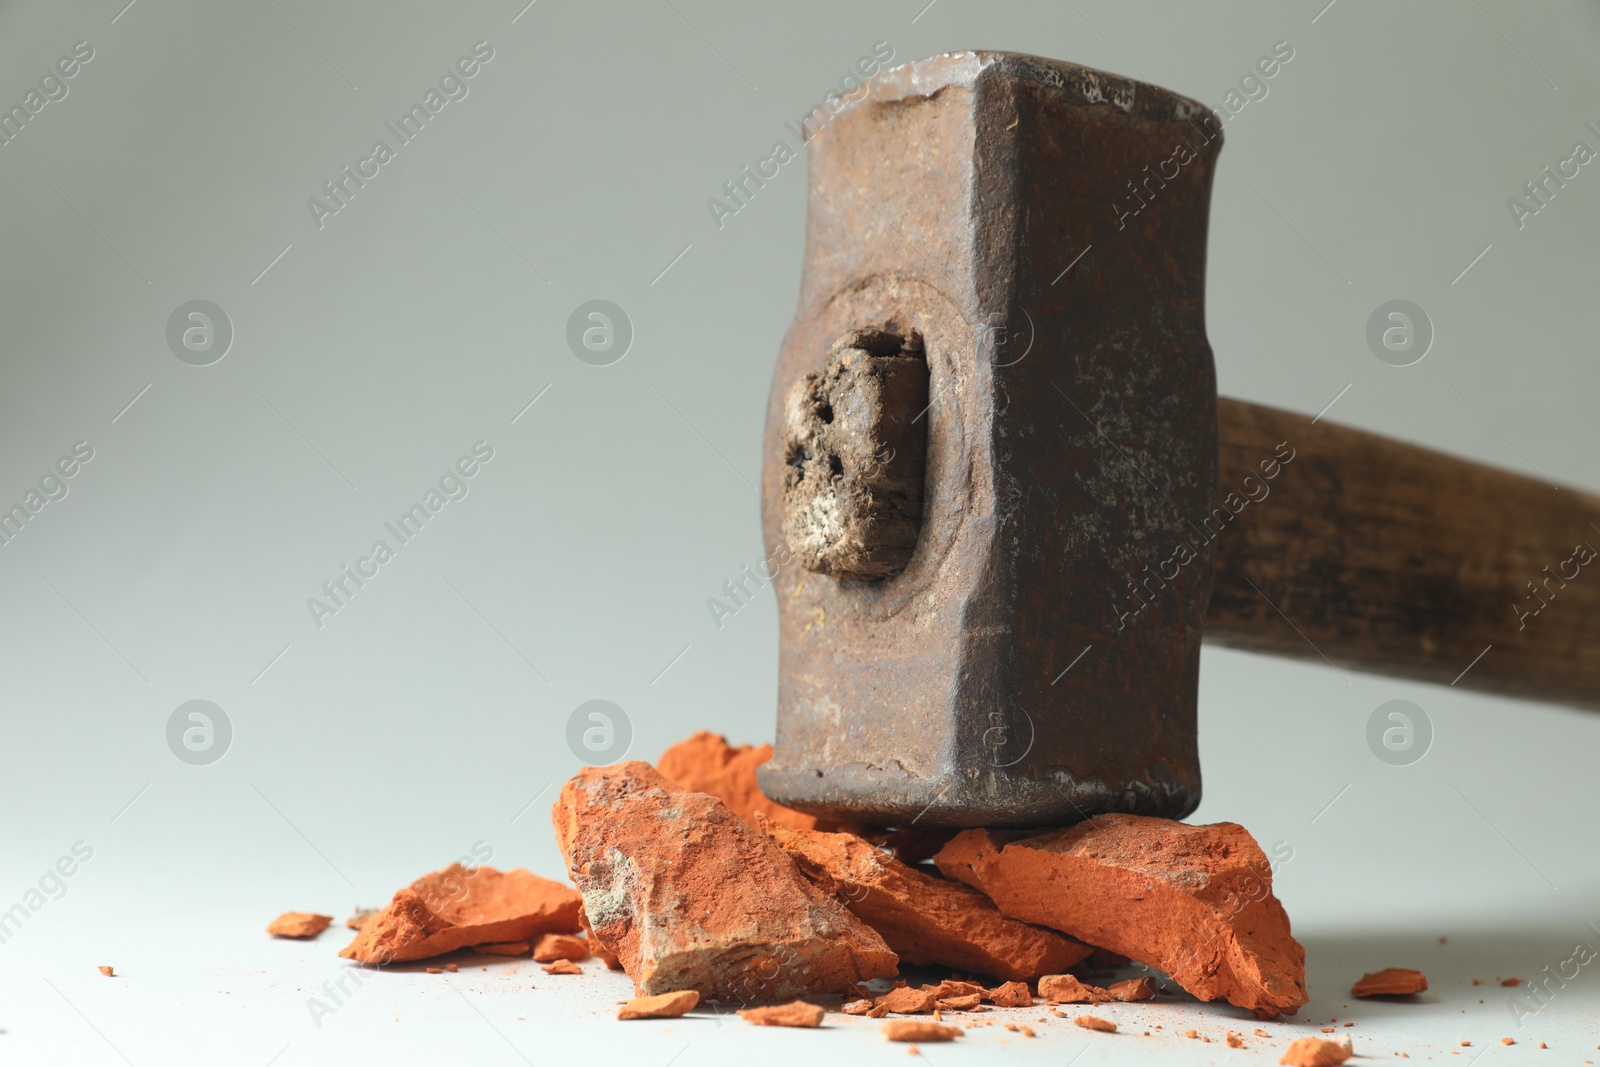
{"x": 952, "y": 987}
{"x": 601, "y": 950}
{"x": 706, "y": 763}
{"x": 460, "y": 907}
{"x": 1390, "y": 982}
{"x": 908, "y": 1001}
{"x": 1066, "y": 989}
{"x": 1094, "y": 1022}
{"x": 1134, "y": 989}
{"x": 562, "y": 967}
{"x": 504, "y": 948}
{"x": 690, "y": 896}
{"x": 925, "y": 920}
{"x": 968, "y": 1002}
{"x": 108, "y": 970}
{"x": 796, "y": 1013}
{"x": 857, "y": 1007}
{"x": 1011, "y": 995}
{"x": 1193, "y": 901}
{"x": 660, "y": 1006}
{"x": 1235, "y": 1040}
{"x": 299, "y": 924}
{"x": 552, "y": 947}
{"x": 918, "y": 1030}
{"x": 1315, "y": 1052}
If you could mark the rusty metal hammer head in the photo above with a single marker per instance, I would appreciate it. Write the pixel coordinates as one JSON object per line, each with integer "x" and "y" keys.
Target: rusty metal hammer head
{"x": 1004, "y": 280}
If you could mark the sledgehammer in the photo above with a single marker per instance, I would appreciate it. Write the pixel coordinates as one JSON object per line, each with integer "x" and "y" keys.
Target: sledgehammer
{"x": 995, "y": 455}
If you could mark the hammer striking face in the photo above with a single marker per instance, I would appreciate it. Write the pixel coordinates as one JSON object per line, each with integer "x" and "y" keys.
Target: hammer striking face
{"x": 994, "y": 409}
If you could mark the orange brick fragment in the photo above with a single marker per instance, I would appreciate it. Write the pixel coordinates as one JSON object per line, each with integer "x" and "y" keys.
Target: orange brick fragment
{"x": 1134, "y": 989}
{"x": 1094, "y": 1022}
{"x": 1011, "y": 995}
{"x": 108, "y": 970}
{"x": 601, "y": 950}
{"x": 1390, "y": 982}
{"x": 1314, "y": 1052}
{"x": 459, "y": 907}
{"x": 908, "y": 1001}
{"x": 690, "y": 896}
{"x": 562, "y": 967}
{"x": 706, "y": 763}
{"x": 1510, "y": 981}
{"x": 918, "y": 1030}
{"x": 857, "y": 1007}
{"x": 660, "y": 1006}
{"x": 1066, "y": 989}
{"x": 796, "y": 1013}
{"x": 552, "y": 947}
{"x": 1235, "y": 1040}
{"x": 504, "y": 948}
{"x": 926, "y": 920}
{"x": 299, "y": 924}
{"x": 963, "y": 1003}
{"x": 1193, "y": 901}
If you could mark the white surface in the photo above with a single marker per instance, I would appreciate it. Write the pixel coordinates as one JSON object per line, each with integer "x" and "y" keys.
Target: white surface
{"x": 431, "y": 711}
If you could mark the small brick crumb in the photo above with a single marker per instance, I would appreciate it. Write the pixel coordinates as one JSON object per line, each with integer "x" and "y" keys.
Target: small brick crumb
{"x": 434, "y": 970}
{"x": 1235, "y": 1040}
{"x": 1466, "y": 1044}
{"x": 1027, "y": 1031}
{"x": 108, "y": 970}
{"x": 1508, "y": 1041}
{"x": 1190, "y": 1033}
{"x": 1543, "y": 1045}
{"x": 1094, "y": 1022}
{"x": 1260, "y": 1032}
{"x": 1351, "y": 1023}
{"x": 1327, "y": 1029}
{"x": 1510, "y": 982}
{"x": 562, "y": 967}
{"x": 450, "y": 967}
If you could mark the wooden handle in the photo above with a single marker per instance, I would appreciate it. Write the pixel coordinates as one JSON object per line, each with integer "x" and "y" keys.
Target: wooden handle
{"x": 1387, "y": 557}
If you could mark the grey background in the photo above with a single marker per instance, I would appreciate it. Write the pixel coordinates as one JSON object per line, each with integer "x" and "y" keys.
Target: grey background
{"x": 428, "y": 313}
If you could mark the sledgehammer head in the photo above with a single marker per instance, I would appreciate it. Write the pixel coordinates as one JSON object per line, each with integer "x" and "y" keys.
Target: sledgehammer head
{"x": 990, "y": 418}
